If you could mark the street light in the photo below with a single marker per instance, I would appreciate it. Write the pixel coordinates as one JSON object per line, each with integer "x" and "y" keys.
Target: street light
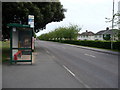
{"x": 113, "y": 15}
{"x": 112, "y": 20}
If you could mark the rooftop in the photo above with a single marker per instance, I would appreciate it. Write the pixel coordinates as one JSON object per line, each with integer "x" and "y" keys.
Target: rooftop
{"x": 90, "y": 33}
{"x": 87, "y": 33}
{"x": 107, "y": 31}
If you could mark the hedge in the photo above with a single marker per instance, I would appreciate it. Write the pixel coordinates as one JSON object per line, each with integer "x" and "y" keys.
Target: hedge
{"x": 91, "y": 43}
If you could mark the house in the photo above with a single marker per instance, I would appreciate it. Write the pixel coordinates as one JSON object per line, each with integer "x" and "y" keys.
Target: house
{"x": 88, "y": 35}
{"x": 111, "y": 34}
{"x": 107, "y": 34}
{"x": 101, "y": 35}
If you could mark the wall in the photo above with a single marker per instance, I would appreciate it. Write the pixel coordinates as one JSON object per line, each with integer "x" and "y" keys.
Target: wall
{"x": 98, "y": 37}
{"x": 85, "y": 37}
{"x": 95, "y": 37}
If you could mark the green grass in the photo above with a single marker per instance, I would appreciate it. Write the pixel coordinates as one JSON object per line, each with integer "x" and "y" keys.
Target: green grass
{"x": 5, "y": 51}
{"x": 0, "y": 44}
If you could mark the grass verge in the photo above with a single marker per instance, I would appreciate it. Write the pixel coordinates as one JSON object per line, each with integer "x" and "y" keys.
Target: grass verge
{"x": 5, "y": 51}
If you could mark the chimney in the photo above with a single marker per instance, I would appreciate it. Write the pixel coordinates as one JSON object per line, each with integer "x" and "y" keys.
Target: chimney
{"x": 107, "y": 28}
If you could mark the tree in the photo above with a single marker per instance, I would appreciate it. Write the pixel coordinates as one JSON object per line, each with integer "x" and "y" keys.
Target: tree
{"x": 67, "y": 33}
{"x": 118, "y": 35}
{"x": 44, "y": 12}
{"x": 115, "y": 21}
{"x": 106, "y": 37}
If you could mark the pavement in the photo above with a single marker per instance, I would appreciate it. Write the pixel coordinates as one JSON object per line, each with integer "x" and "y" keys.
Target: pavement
{"x": 57, "y": 65}
{"x": 0, "y": 67}
{"x": 95, "y": 49}
{"x": 43, "y": 73}
{"x": 0, "y": 76}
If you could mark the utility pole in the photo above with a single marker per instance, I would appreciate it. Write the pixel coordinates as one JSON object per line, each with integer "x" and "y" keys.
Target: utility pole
{"x": 112, "y": 26}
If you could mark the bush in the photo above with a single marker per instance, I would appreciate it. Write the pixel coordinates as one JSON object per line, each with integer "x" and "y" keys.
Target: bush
{"x": 91, "y": 43}
{"x": 116, "y": 45}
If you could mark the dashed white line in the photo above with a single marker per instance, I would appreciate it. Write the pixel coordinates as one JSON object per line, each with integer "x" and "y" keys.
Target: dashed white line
{"x": 76, "y": 77}
{"x": 69, "y": 70}
{"x": 47, "y": 51}
{"x": 53, "y": 56}
{"x": 90, "y": 55}
{"x": 86, "y": 54}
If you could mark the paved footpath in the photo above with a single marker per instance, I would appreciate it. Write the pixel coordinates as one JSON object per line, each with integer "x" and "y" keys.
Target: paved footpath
{"x": 44, "y": 73}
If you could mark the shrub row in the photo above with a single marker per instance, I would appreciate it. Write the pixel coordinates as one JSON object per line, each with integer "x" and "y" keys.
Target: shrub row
{"x": 90, "y": 43}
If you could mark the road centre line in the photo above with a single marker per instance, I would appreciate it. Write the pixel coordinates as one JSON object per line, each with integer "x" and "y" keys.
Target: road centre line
{"x": 90, "y": 55}
{"x": 53, "y": 56}
{"x": 47, "y": 51}
{"x": 69, "y": 70}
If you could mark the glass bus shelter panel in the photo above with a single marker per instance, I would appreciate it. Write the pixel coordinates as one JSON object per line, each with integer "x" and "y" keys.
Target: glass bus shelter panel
{"x": 22, "y": 45}
{"x": 25, "y": 39}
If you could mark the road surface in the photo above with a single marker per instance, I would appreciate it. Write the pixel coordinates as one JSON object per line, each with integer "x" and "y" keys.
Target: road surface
{"x": 59, "y": 65}
{"x": 94, "y": 69}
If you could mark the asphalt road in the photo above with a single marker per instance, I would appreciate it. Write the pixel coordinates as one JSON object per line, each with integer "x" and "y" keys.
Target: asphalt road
{"x": 59, "y": 65}
{"x": 92, "y": 69}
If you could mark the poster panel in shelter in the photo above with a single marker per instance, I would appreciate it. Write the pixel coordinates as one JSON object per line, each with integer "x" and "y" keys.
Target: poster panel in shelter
{"x": 25, "y": 39}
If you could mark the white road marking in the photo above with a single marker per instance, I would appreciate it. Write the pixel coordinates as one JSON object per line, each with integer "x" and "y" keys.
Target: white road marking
{"x": 90, "y": 55}
{"x": 47, "y": 51}
{"x": 69, "y": 70}
{"x": 76, "y": 77}
{"x": 86, "y": 86}
{"x": 86, "y": 54}
{"x": 53, "y": 56}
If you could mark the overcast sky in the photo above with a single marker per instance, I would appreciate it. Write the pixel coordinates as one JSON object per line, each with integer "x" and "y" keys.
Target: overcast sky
{"x": 88, "y": 14}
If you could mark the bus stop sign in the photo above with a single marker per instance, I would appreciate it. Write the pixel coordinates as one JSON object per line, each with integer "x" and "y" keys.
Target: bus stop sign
{"x": 31, "y": 20}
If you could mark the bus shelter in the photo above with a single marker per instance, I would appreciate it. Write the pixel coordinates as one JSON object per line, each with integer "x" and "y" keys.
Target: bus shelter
{"x": 20, "y": 43}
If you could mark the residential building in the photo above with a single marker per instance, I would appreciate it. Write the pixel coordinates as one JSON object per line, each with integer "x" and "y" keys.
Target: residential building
{"x": 101, "y": 35}
{"x": 86, "y": 36}
{"x": 112, "y": 34}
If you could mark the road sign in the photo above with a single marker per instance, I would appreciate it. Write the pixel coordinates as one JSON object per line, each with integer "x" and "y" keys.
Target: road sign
{"x": 31, "y": 20}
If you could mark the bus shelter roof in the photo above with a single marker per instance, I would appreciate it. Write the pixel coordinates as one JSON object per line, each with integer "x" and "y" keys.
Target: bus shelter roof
{"x": 18, "y": 25}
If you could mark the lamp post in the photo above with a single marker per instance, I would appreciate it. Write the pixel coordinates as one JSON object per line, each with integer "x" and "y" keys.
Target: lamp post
{"x": 112, "y": 25}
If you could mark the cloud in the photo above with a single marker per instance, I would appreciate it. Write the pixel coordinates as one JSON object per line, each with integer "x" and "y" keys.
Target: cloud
{"x": 88, "y": 1}
{"x": 89, "y": 13}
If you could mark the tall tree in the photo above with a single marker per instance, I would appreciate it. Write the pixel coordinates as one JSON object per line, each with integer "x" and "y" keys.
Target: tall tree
{"x": 66, "y": 33}
{"x": 44, "y": 12}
